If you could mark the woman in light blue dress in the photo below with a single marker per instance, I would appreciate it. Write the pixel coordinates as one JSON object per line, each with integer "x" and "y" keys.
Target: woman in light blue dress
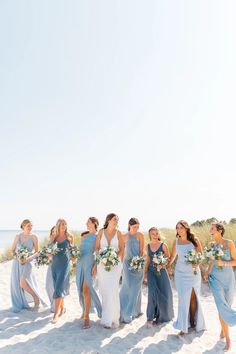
{"x": 160, "y": 297}
{"x": 23, "y": 282}
{"x": 61, "y": 267}
{"x": 131, "y": 288}
{"x": 87, "y": 295}
{"x": 222, "y": 282}
{"x": 188, "y": 284}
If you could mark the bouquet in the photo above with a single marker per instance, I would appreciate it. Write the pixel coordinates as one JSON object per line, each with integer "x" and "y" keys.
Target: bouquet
{"x": 42, "y": 258}
{"x": 214, "y": 253}
{"x": 159, "y": 259}
{"x": 52, "y": 248}
{"x": 74, "y": 252}
{"x": 108, "y": 257}
{"x": 22, "y": 254}
{"x": 136, "y": 263}
{"x": 195, "y": 258}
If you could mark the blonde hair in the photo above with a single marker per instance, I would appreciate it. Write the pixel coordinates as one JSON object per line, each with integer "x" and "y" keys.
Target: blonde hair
{"x": 24, "y": 222}
{"x": 157, "y": 231}
{"x": 57, "y": 226}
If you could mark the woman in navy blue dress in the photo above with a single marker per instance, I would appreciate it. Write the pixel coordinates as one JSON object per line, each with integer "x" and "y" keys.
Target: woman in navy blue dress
{"x": 160, "y": 298}
{"x": 61, "y": 267}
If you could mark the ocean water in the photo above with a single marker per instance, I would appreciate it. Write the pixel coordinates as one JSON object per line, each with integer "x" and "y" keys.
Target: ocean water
{"x": 8, "y": 236}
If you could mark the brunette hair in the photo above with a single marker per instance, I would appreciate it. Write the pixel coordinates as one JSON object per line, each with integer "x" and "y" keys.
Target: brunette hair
{"x": 24, "y": 222}
{"x": 94, "y": 221}
{"x": 219, "y": 227}
{"x": 190, "y": 235}
{"x": 108, "y": 218}
{"x": 154, "y": 229}
{"x": 84, "y": 233}
{"x": 132, "y": 222}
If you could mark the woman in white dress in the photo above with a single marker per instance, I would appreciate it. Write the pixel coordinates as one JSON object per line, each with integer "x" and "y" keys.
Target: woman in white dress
{"x": 108, "y": 282}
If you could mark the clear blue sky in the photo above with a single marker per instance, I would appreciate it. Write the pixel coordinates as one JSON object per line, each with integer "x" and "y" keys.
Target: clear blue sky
{"x": 117, "y": 106}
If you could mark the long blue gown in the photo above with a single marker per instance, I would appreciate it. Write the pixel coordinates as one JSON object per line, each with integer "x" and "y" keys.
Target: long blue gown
{"x": 19, "y": 298}
{"x": 61, "y": 270}
{"x": 131, "y": 288}
{"x": 186, "y": 281}
{"x": 222, "y": 284}
{"x": 49, "y": 287}
{"x": 160, "y": 297}
{"x": 84, "y": 272}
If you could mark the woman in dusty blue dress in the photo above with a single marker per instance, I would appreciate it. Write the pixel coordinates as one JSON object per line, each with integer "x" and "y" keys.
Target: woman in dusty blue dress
{"x": 23, "y": 282}
{"x": 87, "y": 295}
{"x": 49, "y": 280}
{"x": 160, "y": 297}
{"x": 61, "y": 267}
{"x": 131, "y": 288}
{"x": 188, "y": 284}
{"x": 222, "y": 281}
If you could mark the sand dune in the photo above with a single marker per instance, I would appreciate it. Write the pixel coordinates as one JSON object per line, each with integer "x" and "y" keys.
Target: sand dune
{"x": 32, "y": 332}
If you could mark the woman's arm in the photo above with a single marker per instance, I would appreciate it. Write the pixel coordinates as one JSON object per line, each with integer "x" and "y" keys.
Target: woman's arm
{"x": 96, "y": 249}
{"x": 146, "y": 263}
{"x": 166, "y": 250}
{"x": 199, "y": 245}
{"x": 173, "y": 254}
{"x": 232, "y": 263}
{"x": 13, "y": 247}
{"x": 121, "y": 245}
{"x": 141, "y": 244}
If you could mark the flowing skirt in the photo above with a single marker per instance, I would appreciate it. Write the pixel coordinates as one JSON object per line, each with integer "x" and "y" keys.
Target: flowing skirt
{"x": 108, "y": 285}
{"x": 83, "y": 272}
{"x": 222, "y": 284}
{"x": 130, "y": 294}
{"x": 160, "y": 297}
{"x": 185, "y": 282}
{"x": 19, "y": 298}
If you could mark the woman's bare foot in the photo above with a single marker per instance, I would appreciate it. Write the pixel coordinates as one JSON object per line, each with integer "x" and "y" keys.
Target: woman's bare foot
{"x": 181, "y": 334}
{"x": 227, "y": 345}
{"x": 55, "y": 319}
{"x": 149, "y": 324}
{"x": 86, "y": 323}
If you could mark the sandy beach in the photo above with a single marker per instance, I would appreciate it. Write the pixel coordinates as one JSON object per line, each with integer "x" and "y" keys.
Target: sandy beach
{"x": 32, "y": 332}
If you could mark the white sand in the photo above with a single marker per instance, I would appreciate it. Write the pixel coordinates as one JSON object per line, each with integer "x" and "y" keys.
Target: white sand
{"x": 31, "y": 332}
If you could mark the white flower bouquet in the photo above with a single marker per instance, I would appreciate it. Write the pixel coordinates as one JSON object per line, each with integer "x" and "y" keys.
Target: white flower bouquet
{"x": 22, "y": 253}
{"x": 136, "y": 263}
{"x": 52, "y": 248}
{"x": 75, "y": 252}
{"x": 42, "y": 258}
{"x": 159, "y": 260}
{"x": 195, "y": 258}
{"x": 108, "y": 257}
{"x": 214, "y": 253}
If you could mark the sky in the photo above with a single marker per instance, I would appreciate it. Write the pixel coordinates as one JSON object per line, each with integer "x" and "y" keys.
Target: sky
{"x": 122, "y": 106}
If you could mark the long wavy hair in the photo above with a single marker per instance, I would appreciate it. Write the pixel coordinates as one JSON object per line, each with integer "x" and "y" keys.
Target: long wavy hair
{"x": 190, "y": 235}
{"x": 57, "y": 226}
{"x": 108, "y": 219}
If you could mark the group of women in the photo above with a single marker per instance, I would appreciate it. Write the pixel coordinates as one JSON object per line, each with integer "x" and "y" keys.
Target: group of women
{"x": 117, "y": 304}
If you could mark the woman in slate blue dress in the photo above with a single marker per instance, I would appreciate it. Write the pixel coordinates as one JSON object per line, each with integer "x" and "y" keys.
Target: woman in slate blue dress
{"x": 188, "y": 284}
{"x": 84, "y": 281}
{"x": 61, "y": 267}
{"x": 160, "y": 297}
{"x": 23, "y": 282}
{"x": 222, "y": 282}
{"x": 131, "y": 288}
